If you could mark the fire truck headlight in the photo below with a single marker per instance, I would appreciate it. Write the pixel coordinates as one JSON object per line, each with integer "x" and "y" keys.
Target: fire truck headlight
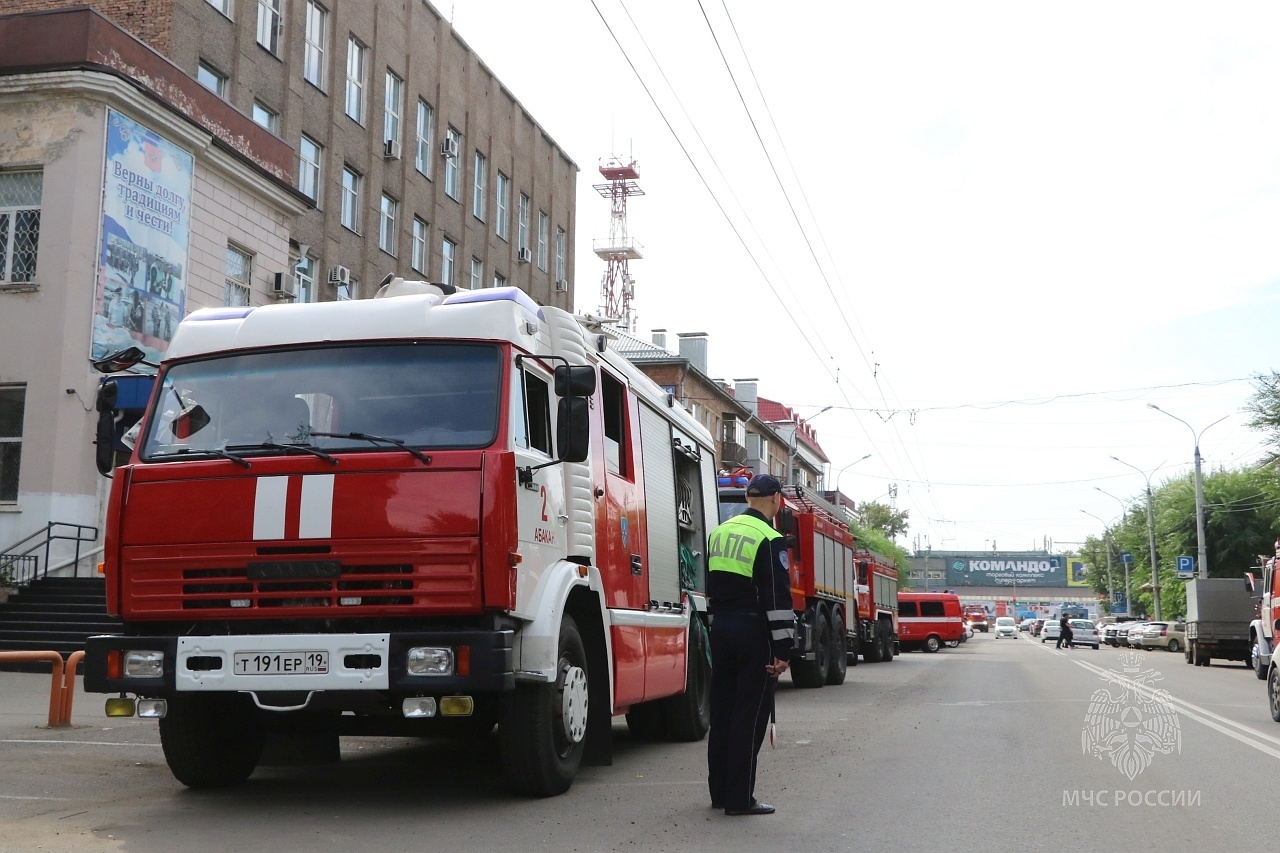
{"x": 153, "y": 708}
{"x": 418, "y": 706}
{"x": 146, "y": 664}
{"x": 426, "y": 660}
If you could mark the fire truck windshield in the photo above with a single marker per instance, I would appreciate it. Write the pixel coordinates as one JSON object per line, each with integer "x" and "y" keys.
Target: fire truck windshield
{"x": 419, "y": 395}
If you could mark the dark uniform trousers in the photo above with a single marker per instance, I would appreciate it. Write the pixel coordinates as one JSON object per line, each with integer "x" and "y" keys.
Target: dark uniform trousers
{"x": 741, "y": 699}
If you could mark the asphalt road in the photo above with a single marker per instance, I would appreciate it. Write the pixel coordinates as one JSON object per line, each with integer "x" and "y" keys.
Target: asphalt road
{"x": 983, "y": 746}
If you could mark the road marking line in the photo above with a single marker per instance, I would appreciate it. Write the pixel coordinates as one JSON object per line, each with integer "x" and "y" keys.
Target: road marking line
{"x": 1246, "y": 735}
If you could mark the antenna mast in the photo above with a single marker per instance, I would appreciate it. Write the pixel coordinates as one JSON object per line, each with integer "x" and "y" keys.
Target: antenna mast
{"x": 617, "y": 287}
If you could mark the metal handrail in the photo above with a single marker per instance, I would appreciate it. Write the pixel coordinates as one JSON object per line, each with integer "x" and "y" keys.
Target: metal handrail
{"x": 52, "y": 532}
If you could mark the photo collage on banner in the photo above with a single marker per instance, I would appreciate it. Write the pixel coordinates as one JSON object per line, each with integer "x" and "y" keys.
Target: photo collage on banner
{"x": 142, "y": 257}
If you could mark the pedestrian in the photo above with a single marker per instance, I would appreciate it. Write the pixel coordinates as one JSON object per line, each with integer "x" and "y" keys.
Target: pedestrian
{"x": 1064, "y": 631}
{"x": 752, "y": 632}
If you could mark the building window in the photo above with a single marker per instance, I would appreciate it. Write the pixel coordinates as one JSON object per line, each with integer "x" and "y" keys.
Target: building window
{"x": 20, "y": 197}
{"x": 499, "y": 280}
{"x": 422, "y": 141}
{"x": 501, "y": 202}
{"x": 451, "y": 165}
{"x": 304, "y": 270}
{"x": 477, "y": 273}
{"x": 270, "y": 24}
{"x": 448, "y": 254}
{"x": 347, "y": 292}
{"x": 542, "y": 241}
{"x": 355, "y": 79}
{"x": 239, "y": 276}
{"x": 387, "y": 224}
{"x": 522, "y": 222}
{"x": 315, "y": 41}
{"x": 266, "y": 117}
{"x": 212, "y": 79}
{"x": 13, "y": 401}
{"x": 310, "y": 156}
{"x": 418, "y": 254}
{"x": 393, "y": 107}
{"x": 223, "y": 6}
{"x": 351, "y": 199}
{"x": 562, "y": 242}
{"x": 480, "y": 188}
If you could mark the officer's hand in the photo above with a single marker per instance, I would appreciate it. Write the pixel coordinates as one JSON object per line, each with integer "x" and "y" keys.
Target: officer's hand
{"x": 778, "y": 667}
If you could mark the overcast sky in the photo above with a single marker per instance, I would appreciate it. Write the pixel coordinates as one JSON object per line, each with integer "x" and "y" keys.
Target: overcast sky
{"x": 1015, "y": 224}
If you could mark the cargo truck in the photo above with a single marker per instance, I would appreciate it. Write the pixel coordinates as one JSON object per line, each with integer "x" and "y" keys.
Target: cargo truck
{"x": 1218, "y": 614}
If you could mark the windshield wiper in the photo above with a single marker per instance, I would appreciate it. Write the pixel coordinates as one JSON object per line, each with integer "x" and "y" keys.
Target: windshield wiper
{"x": 304, "y": 448}
{"x": 205, "y": 451}
{"x": 375, "y": 439}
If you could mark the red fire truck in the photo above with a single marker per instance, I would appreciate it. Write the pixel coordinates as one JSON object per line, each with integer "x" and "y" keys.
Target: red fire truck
{"x": 845, "y": 596}
{"x": 427, "y": 513}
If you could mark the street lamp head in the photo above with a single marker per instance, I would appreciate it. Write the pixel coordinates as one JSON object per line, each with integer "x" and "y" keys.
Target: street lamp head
{"x": 1154, "y": 406}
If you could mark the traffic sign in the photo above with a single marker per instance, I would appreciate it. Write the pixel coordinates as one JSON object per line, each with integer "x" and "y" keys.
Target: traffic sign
{"x": 1126, "y": 556}
{"x": 1186, "y": 567}
{"x": 1119, "y": 604}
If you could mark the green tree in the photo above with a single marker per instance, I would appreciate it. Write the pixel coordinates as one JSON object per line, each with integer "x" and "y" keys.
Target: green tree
{"x": 889, "y": 521}
{"x": 1264, "y": 409}
{"x": 875, "y": 540}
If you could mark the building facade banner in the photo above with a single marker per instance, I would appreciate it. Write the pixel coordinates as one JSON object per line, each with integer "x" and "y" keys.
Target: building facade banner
{"x": 1006, "y": 570}
{"x": 142, "y": 254}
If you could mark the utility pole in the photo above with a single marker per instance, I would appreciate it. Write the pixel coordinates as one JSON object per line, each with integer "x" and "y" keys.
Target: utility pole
{"x": 1151, "y": 534}
{"x": 1106, "y": 544}
{"x": 1202, "y": 554}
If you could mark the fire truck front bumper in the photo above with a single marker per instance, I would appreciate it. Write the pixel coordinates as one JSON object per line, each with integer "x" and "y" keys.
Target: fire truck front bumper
{"x": 404, "y": 663}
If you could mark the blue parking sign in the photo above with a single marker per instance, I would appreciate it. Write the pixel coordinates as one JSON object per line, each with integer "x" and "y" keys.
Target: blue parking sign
{"x": 1186, "y": 567}
{"x": 1119, "y": 604}
{"x": 1126, "y": 556}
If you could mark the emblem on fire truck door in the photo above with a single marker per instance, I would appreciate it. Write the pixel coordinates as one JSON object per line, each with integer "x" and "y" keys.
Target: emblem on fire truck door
{"x": 1130, "y": 721}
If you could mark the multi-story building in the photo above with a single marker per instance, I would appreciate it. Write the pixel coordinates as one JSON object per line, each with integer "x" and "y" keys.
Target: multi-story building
{"x": 158, "y": 156}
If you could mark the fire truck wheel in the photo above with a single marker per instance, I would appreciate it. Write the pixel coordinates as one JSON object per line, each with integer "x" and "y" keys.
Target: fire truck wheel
{"x": 1255, "y": 660}
{"x": 886, "y": 637}
{"x": 543, "y": 726}
{"x": 1273, "y": 693}
{"x": 838, "y": 658}
{"x": 813, "y": 673}
{"x": 688, "y": 715}
{"x": 211, "y": 741}
{"x": 855, "y": 649}
{"x": 873, "y": 652}
{"x": 932, "y": 643}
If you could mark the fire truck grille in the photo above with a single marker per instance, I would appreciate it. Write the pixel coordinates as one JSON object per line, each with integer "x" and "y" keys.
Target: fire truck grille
{"x": 353, "y": 587}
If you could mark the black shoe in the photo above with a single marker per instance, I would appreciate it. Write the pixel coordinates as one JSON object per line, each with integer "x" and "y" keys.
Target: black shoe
{"x": 756, "y": 807}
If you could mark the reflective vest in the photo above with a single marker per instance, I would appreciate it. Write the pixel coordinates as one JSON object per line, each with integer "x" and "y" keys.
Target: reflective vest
{"x": 734, "y": 544}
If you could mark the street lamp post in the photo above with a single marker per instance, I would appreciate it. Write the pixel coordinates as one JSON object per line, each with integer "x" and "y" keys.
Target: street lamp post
{"x": 1106, "y": 544}
{"x": 1124, "y": 510}
{"x": 1151, "y": 534}
{"x": 846, "y": 468}
{"x": 795, "y": 439}
{"x": 1202, "y": 553}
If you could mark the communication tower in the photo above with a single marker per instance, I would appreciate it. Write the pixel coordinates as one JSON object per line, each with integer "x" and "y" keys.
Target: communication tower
{"x": 617, "y": 288}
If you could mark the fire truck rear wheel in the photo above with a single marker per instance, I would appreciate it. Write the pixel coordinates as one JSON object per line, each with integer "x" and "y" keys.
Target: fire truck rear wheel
{"x": 813, "y": 673}
{"x": 211, "y": 741}
{"x": 886, "y": 637}
{"x": 688, "y": 715}
{"x": 1255, "y": 661}
{"x": 543, "y": 726}
{"x": 873, "y": 652}
{"x": 932, "y": 643}
{"x": 838, "y": 659}
{"x": 1273, "y": 693}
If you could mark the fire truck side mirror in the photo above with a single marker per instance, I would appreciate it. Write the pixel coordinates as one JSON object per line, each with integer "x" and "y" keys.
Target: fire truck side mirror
{"x": 108, "y": 393}
{"x": 786, "y": 521}
{"x": 104, "y": 451}
{"x": 575, "y": 380}
{"x": 573, "y": 429}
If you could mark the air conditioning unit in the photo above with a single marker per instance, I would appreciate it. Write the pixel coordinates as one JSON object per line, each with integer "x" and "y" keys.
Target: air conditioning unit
{"x": 562, "y": 284}
{"x": 339, "y": 274}
{"x": 524, "y": 256}
{"x": 391, "y": 149}
{"x": 449, "y": 148}
{"x": 284, "y": 285}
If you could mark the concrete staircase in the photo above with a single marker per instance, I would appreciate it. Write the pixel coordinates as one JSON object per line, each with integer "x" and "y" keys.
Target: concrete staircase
{"x": 54, "y": 613}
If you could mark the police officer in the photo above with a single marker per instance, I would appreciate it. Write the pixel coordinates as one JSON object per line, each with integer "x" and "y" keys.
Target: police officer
{"x": 752, "y": 632}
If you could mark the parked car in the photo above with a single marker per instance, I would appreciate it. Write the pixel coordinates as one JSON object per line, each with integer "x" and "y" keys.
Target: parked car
{"x": 1049, "y": 631}
{"x": 1122, "y": 632}
{"x": 1037, "y": 626}
{"x": 1164, "y": 635}
{"x": 1133, "y": 637}
{"x": 1110, "y": 632}
{"x": 1006, "y": 627}
{"x": 1084, "y": 633}
{"x": 1025, "y": 625}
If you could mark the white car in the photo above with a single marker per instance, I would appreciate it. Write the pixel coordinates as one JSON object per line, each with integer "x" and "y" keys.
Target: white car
{"x": 1084, "y": 633}
{"x": 1006, "y": 627}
